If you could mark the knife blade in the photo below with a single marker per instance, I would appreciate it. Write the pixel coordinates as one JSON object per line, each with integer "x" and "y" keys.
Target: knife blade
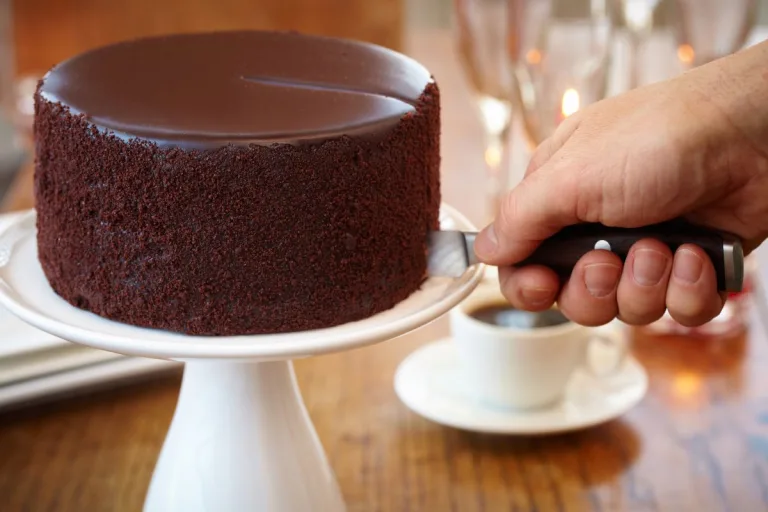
{"x": 451, "y": 253}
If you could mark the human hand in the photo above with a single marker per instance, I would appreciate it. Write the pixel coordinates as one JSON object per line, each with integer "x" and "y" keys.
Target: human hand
{"x": 694, "y": 147}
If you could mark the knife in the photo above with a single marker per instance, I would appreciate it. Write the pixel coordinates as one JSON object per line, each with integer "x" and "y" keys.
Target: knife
{"x": 450, "y": 253}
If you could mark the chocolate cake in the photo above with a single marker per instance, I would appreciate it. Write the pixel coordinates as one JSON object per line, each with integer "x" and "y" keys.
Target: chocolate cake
{"x": 236, "y": 182}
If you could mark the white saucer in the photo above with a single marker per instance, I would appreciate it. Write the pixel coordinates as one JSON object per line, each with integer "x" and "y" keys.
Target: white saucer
{"x": 427, "y": 383}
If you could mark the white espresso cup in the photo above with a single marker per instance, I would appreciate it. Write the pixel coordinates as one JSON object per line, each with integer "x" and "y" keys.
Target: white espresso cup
{"x": 530, "y": 367}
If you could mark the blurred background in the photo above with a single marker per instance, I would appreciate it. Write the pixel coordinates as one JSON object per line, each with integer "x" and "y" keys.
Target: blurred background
{"x": 509, "y": 72}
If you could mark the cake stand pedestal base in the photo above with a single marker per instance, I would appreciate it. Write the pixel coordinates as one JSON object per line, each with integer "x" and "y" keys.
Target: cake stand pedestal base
{"x": 241, "y": 440}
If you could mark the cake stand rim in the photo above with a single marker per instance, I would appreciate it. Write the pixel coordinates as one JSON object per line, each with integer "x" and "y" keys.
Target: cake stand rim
{"x": 177, "y": 346}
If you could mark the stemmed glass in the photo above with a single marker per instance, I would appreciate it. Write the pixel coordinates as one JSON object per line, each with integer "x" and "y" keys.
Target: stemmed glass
{"x": 481, "y": 39}
{"x": 16, "y": 92}
{"x": 638, "y": 19}
{"x": 710, "y": 29}
{"x": 560, "y": 60}
{"x": 11, "y": 141}
{"x": 6, "y": 56}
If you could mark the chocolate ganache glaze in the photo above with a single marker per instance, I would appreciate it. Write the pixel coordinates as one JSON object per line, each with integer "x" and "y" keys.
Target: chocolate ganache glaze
{"x": 236, "y": 182}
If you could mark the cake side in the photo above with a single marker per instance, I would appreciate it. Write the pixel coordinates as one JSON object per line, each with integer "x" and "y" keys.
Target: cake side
{"x": 240, "y": 238}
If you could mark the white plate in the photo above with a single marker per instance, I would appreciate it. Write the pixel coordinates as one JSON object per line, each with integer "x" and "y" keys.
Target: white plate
{"x": 36, "y": 364}
{"x": 25, "y": 291}
{"x": 83, "y": 379}
{"x": 18, "y": 337}
{"x": 427, "y": 383}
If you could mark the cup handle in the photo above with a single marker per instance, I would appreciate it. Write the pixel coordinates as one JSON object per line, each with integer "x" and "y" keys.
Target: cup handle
{"x": 607, "y": 337}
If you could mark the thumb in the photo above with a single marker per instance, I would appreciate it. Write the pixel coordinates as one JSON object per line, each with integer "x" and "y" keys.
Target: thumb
{"x": 541, "y": 205}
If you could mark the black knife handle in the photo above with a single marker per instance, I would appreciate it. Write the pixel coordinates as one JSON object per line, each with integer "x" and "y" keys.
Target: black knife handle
{"x": 563, "y": 250}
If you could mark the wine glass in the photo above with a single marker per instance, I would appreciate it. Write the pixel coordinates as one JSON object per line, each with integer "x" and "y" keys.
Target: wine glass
{"x": 481, "y": 38}
{"x": 11, "y": 144}
{"x": 6, "y": 55}
{"x": 638, "y": 19}
{"x": 560, "y": 59}
{"x": 710, "y": 29}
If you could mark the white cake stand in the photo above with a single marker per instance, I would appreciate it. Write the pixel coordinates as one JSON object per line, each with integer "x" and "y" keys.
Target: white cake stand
{"x": 241, "y": 439}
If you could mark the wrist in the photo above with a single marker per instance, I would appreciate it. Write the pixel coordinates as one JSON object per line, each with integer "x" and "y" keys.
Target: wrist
{"x": 730, "y": 97}
{"x": 738, "y": 88}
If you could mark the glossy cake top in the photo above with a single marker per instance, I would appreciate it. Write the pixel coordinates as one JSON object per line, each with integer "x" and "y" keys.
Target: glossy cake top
{"x": 214, "y": 88}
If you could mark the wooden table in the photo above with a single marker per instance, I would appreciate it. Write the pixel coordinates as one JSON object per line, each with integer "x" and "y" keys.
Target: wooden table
{"x": 698, "y": 441}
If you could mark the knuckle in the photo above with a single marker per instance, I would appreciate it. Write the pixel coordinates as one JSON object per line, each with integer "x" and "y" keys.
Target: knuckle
{"x": 640, "y": 317}
{"x": 583, "y": 184}
{"x": 654, "y": 244}
{"x": 690, "y": 312}
{"x": 512, "y": 294}
{"x": 595, "y": 320}
{"x": 638, "y": 305}
{"x": 582, "y": 314}
{"x": 510, "y": 290}
{"x": 688, "y": 320}
{"x": 508, "y": 212}
{"x": 541, "y": 154}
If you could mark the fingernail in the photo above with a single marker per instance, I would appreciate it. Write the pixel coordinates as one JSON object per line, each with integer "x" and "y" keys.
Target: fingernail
{"x": 486, "y": 242}
{"x": 601, "y": 279}
{"x": 688, "y": 266}
{"x": 537, "y": 296}
{"x": 648, "y": 267}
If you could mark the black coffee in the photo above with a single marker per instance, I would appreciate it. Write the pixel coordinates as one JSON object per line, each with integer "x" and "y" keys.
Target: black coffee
{"x": 505, "y": 315}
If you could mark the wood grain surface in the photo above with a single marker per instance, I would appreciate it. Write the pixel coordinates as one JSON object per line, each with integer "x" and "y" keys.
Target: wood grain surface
{"x": 697, "y": 442}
